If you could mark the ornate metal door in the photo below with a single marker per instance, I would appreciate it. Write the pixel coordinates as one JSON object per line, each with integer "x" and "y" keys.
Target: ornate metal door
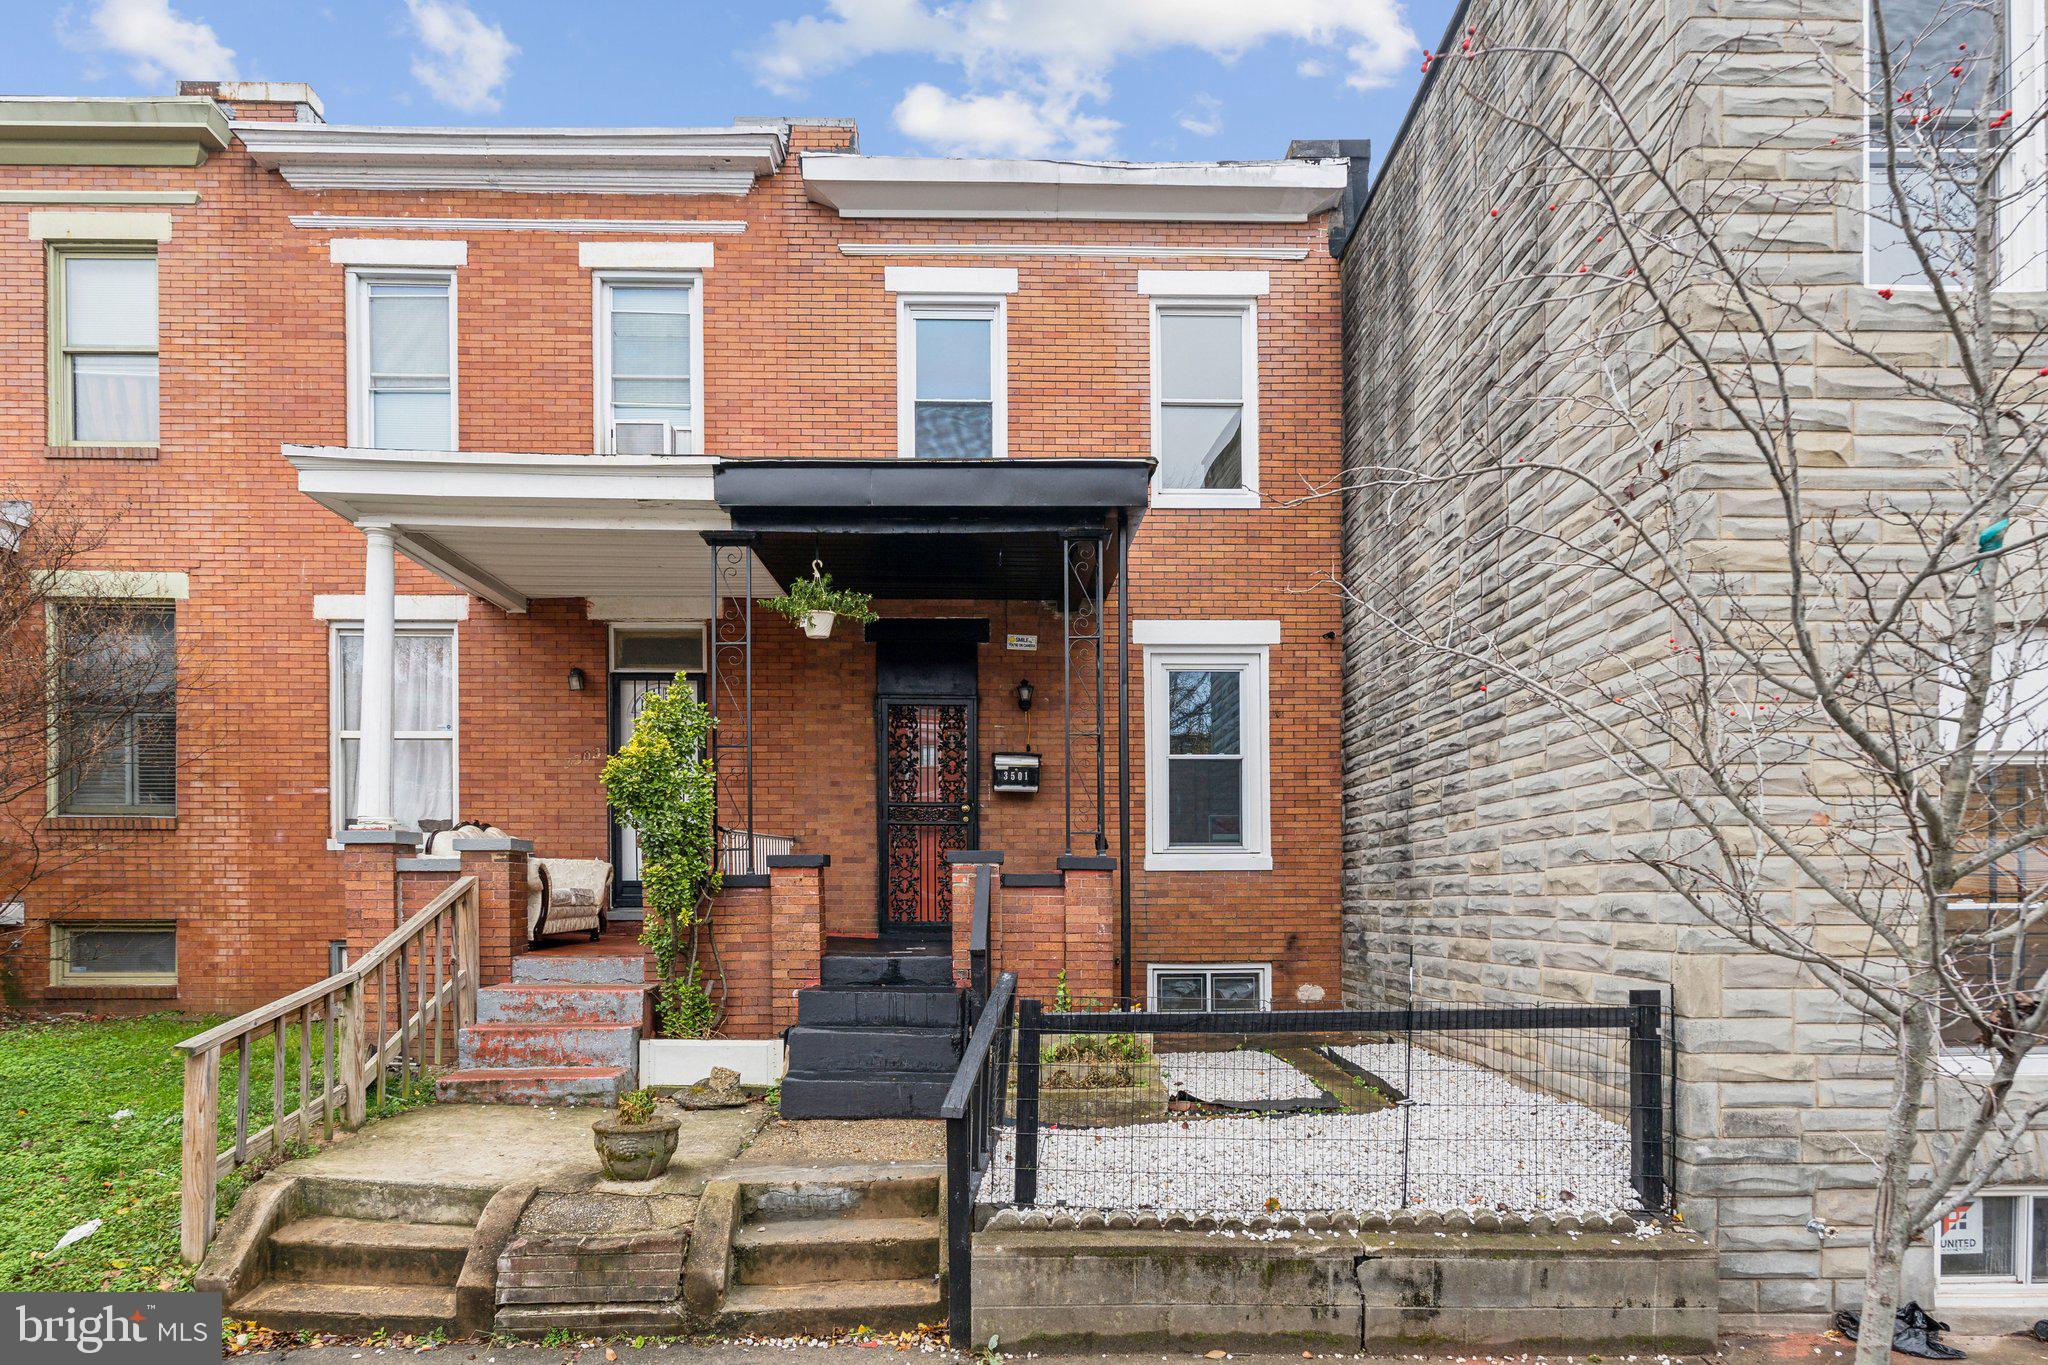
{"x": 928, "y": 807}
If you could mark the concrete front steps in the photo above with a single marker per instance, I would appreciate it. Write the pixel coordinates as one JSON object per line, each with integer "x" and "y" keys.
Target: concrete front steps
{"x": 826, "y": 1251}
{"x": 879, "y": 1036}
{"x": 354, "y": 1257}
{"x": 564, "y": 1030}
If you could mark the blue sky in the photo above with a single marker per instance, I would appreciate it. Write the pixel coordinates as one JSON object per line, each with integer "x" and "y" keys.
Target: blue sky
{"x": 1136, "y": 79}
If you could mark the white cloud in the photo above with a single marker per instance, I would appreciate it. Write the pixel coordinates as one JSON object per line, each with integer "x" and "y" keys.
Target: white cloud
{"x": 1203, "y": 117}
{"x": 157, "y": 43}
{"x": 1005, "y": 124}
{"x": 467, "y": 61}
{"x": 1028, "y": 68}
{"x": 1312, "y": 68}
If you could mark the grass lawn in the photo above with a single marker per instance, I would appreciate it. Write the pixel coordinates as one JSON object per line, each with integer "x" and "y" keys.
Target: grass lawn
{"x": 65, "y": 1158}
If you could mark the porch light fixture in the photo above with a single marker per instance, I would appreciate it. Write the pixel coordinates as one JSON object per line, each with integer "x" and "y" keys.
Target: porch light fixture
{"x": 576, "y": 680}
{"x": 1024, "y": 695}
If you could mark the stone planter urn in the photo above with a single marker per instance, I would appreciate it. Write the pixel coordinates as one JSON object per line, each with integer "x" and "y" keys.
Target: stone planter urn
{"x": 635, "y": 1151}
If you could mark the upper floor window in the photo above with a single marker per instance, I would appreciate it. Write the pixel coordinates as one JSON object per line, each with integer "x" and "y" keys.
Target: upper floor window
{"x": 1950, "y": 80}
{"x": 402, "y": 360}
{"x": 649, "y": 358}
{"x": 117, "y": 708}
{"x": 1204, "y": 405}
{"x": 423, "y": 759}
{"x": 952, "y": 393}
{"x": 103, "y": 346}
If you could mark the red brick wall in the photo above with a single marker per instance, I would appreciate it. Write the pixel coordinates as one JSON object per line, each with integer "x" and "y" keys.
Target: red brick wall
{"x": 799, "y": 357}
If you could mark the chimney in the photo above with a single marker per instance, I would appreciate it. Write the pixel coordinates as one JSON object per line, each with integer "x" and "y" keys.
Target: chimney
{"x": 261, "y": 101}
{"x": 1359, "y": 152}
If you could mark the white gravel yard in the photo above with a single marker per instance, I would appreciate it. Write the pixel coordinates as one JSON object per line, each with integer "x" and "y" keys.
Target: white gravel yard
{"x": 1475, "y": 1140}
{"x": 1241, "y": 1077}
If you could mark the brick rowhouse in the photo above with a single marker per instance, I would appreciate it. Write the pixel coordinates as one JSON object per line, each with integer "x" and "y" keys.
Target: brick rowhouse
{"x": 799, "y": 357}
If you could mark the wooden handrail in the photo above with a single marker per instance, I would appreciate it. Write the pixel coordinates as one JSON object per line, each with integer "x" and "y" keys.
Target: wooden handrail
{"x": 355, "y": 1048}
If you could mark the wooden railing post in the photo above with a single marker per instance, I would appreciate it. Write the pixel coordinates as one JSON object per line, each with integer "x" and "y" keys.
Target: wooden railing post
{"x": 469, "y": 952}
{"x": 350, "y": 1046}
{"x": 201, "y": 1149}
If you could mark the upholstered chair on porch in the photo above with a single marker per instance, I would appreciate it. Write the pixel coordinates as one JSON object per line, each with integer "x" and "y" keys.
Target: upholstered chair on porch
{"x": 563, "y": 895}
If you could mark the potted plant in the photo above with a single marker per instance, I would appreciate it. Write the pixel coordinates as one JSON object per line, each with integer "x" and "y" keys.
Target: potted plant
{"x": 814, "y": 604}
{"x": 634, "y": 1143}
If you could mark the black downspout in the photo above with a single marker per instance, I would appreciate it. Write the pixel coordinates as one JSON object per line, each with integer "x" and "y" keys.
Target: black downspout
{"x": 1123, "y": 742}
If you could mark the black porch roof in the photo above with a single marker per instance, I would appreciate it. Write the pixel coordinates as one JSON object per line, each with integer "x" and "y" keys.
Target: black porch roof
{"x": 929, "y": 528}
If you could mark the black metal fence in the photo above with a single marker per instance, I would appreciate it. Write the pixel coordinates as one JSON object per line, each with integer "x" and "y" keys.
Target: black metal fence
{"x": 1518, "y": 1110}
{"x": 974, "y": 1111}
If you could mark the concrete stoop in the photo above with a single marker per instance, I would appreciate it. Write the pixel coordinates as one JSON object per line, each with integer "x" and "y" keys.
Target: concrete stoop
{"x": 879, "y": 1036}
{"x": 565, "y": 1030}
{"x": 800, "y": 1251}
{"x": 1115, "y": 1290}
{"x": 355, "y": 1257}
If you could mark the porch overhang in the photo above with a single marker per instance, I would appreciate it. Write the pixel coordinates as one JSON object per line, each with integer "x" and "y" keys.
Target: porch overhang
{"x": 903, "y": 528}
{"x": 623, "y": 532}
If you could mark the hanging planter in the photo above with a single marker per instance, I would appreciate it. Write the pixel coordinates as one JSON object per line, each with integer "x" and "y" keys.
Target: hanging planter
{"x": 814, "y": 604}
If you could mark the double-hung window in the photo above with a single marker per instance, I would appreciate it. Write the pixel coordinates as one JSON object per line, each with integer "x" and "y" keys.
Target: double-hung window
{"x": 1207, "y": 804}
{"x": 402, "y": 359}
{"x": 117, "y": 708}
{"x": 1204, "y": 410}
{"x": 649, "y": 357}
{"x": 423, "y": 693}
{"x": 953, "y": 400}
{"x": 1931, "y": 129}
{"x": 103, "y": 345}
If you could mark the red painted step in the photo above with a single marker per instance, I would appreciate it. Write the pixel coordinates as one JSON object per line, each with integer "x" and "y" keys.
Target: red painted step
{"x": 534, "y": 1085}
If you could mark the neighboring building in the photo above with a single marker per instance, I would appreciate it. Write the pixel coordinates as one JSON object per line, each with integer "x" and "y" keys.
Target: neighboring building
{"x": 347, "y": 393}
{"x": 1487, "y": 844}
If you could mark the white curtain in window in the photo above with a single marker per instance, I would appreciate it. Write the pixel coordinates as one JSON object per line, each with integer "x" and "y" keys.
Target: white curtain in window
{"x": 422, "y": 721}
{"x": 409, "y": 379}
{"x": 110, "y": 302}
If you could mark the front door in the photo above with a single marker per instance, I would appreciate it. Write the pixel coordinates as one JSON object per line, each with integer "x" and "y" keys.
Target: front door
{"x": 630, "y": 692}
{"x": 928, "y": 801}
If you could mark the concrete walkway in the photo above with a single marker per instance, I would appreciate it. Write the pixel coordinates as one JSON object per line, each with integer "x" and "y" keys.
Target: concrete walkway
{"x": 488, "y": 1146}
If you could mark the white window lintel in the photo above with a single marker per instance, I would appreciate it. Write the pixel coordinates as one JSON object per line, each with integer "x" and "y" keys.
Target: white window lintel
{"x": 123, "y": 584}
{"x": 80, "y": 225}
{"x": 397, "y": 251}
{"x": 1202, "y": 634}
{"x": 644, "y": 255}
{"x": 948, "y": 279}
{"x": 434, "y": 609}
{"x": 1205, "y": 284}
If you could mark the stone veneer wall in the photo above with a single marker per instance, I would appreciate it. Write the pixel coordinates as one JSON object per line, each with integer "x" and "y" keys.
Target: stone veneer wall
{"x": 1481, "y": 832}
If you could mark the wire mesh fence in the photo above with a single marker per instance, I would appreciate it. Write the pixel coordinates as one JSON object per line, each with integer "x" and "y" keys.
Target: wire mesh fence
{"x": 1516, "y": 1110}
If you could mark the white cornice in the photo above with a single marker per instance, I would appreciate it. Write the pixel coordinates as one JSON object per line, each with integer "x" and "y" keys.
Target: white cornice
{"x": 325, "y": 156}
{"x": 941, "y": 187}
{"x": 1080, "y": 250}
{"x": 691, "y": 227}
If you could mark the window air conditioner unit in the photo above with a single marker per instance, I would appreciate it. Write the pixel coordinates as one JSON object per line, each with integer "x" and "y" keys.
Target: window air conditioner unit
{"x": 643, "y": 438}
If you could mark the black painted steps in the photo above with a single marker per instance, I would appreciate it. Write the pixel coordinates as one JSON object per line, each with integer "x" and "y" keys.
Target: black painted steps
{"x": 886, "y": 969}
{"x": 879, "y": 1037}
{"x": 859, "y": 1051}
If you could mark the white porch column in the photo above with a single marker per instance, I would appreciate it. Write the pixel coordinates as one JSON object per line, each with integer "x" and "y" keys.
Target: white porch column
{"x": 380, "y": 638}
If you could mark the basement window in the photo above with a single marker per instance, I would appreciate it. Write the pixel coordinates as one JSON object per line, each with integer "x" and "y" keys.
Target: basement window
{"x": 113, "y": 955}
{"x": 1192, "y": 989}
{"x": 1995, "y": 1246}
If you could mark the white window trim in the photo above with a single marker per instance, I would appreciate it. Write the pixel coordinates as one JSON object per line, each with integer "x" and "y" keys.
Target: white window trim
{"x": 335, "y": 629}
{"x": 62, "y": 976}
{"x": 1248, "y": 307}
{"x": 1155, "y": 970}
{"x": 2023, "y": 236}
{"x": 601, "y": 349}
{"x": 1991, "y": 1291}
{"x": 1164, "y": 653}
{"x": 910, "y": 307}
{"x": 356, "y": 323}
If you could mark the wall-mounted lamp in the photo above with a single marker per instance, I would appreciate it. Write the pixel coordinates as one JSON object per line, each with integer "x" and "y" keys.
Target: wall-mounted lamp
{"x": 1024, "y": 695}
{"x": 576, "y": 680}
